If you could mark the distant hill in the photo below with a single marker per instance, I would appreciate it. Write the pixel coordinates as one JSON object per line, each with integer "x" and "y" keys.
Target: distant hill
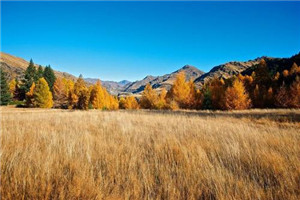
{"x": 165, "y": 81}
{"x": 228, "y": 69}
{"x": 15, "y": 67}
{"x": 112, "y": 87}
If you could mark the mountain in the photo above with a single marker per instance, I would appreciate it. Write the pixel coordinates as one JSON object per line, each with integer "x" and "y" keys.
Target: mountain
{"x": 15, "y": 67}
{"x": 228, "y": 69}
{"x": 124, "y": 82}
{"x": 112, "y": 87}
{"x": 165, "y": 81}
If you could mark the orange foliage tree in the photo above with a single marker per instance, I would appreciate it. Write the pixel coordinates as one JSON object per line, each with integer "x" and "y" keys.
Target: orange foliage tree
{"x": 60, "y": 95}
{"x": 236, "y": 97}
{"x": 101, "y": 99}
{"x": 295, "y": 94}
{"x": 149, "y": 98}
{"x": 180, "y": 91}
{"x": 29, "y": 96}
{"x": 129, "y": 102}
{"x": 97, "y": 96}
{"x": 217, "y": 89}
{"x": 78, "y": 90}
{"x": 281, "y": 98}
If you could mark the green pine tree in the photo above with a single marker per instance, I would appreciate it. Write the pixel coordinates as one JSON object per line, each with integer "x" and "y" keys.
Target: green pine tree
{"x": 5, "y": 93}
{"x": 207, "y": 103}
{"x": 49, "y": 76}
{"x": 30, "y": 77}
{"x": 40, "y": 72}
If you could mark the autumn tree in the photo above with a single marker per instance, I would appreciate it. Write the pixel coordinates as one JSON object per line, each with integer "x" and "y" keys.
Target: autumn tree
{"x": 162, "y": 102}
{"x": 74, "y": 94}
{"x": 295, "y": 94}
{"x": 285, "y": 73}
{"x": 60, "y": 96}
{"x": 12, "y": 87}
{"x": 129, "y": 102}
{"x": 262, "y": 76}
{"x": 113, "y": 103}
{"x": 294, "y": 69}
{"x": 217, "y": 89}
{"x": 49, "y": 76}
{"x": 269, "y": 98}
{"x": 29, "y": 96}
{"x": 122, "y": 103}
{"x": 281, "y": 98}
{"x": 236, "y": 98}
{"x": 68, "y": 84}
{"x": 180, "y": 91}
{"x": 42, "y": 96}
{"x": 5, "y": 97}
{"x": 276, "y": 76}
{"x": 83, "y": 99}
{"x": 149, "y": 98}
{"x": 97, "y": 97}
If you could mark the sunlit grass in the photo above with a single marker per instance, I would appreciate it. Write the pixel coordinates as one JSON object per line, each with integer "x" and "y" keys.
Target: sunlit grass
{"x": 55, "y": 154}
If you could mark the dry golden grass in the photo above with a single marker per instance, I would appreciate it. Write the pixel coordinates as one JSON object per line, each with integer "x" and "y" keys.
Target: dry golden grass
{"x": 55, "y": 154}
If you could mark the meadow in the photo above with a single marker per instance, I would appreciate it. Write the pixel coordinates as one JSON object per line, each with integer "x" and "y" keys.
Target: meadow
{"x": 72, "y": 154}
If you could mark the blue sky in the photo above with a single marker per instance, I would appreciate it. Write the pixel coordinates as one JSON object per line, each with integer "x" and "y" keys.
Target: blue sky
{"x": 129, "y": 40}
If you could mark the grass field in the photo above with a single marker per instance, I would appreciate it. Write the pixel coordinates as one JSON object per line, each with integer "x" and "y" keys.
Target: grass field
{"x": 62, "y": 154}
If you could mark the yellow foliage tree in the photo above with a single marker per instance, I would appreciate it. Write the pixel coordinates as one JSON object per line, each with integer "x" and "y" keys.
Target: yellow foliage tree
{"x": 162, "y": 103}
{"x": 101, "y": 99}
{"x": 60, "y": 96}
{"x": 29, "y": 95}
{"x": 113, "y": 103}
{"x": 128, "y": 103}
{"x": 68, "y": 84}
{"x": 41, "y": 94}
{"x": 97, "y": 96}
{"x": 73, "y": 96}
{"x": 236, "y": 98}
{"x": 149, "y": 98}
{"x": 122, "y": 103}
{"x": 12, "y": 86}
{"x": 180, "y": 91}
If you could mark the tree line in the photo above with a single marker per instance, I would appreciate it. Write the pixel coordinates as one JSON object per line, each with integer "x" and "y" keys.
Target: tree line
{"x": 262, "y": 89}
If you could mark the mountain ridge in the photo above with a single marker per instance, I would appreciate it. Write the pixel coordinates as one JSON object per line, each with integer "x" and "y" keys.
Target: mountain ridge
{"x": 16, "y": 66}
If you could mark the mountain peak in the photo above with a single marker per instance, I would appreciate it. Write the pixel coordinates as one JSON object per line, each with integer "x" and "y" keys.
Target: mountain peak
{"x": 187, "y": 67}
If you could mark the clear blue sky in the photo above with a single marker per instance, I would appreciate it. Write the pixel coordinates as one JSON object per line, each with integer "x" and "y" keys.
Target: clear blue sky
{"x": 129, "y": 40}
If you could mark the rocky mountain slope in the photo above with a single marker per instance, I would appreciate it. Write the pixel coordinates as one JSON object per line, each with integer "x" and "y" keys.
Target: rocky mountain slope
{"x": 165, "y": 81}
{"x": 228, "y": 69}
{"x": 112, "y": 87}
{"x": 15, "y": 67}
